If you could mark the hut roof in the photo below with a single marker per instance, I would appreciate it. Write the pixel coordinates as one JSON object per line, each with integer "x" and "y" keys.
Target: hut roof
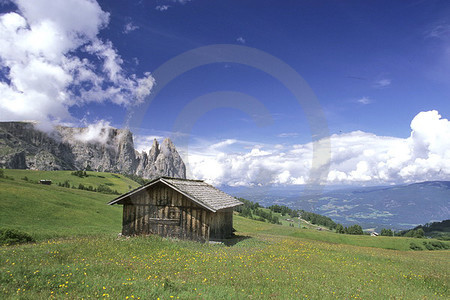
{"x": 198, "y": 191}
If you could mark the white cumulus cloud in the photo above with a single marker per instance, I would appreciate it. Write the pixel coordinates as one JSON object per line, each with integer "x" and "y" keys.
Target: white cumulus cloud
{"x": 42, "y": 74}
{"x": 356, "y": 158}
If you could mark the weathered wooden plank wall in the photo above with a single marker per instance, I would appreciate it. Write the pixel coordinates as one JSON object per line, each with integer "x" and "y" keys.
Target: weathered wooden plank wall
{"x": 221, "y": 224}
{"x": 163, "y": 211}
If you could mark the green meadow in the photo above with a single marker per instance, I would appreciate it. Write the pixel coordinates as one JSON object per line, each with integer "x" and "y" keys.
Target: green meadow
{"x": 51, "y": 211}
{"x": 383, "y": 242}
{"x": 115, "y": 181}
{"x": 78, "y": 255}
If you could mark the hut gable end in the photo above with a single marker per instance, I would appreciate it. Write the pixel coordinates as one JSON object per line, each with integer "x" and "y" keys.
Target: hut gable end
{"x": 187, "y": 209}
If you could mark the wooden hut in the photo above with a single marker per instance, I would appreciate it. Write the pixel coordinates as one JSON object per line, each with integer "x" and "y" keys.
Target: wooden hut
{"x": 181, "y": 208}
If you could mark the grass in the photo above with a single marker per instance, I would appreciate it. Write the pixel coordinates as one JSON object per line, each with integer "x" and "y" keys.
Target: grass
{"x": 52, "y": 211}
{"x": 115, "y": 181}
{"x": 299, "y": 223}
{"x": 384, "y": 242}
{"x": 259, "y": 266}
{"x": 78, "y": 255}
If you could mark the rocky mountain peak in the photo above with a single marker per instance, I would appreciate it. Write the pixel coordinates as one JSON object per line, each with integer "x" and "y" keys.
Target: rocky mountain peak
{"x": 163, "y": 160}
{"x": 167, "y": 146}
{"x": 101, "y": 148}
{"x": 154, "y": 151}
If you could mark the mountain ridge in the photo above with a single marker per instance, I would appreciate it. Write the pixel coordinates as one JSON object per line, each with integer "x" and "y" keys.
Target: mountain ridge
{"x": 400, "y": 206}
{"x": 105, "y": 149}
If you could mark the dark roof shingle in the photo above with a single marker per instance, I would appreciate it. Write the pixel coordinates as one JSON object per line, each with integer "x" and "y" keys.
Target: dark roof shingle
{"x": 198, "y": 191}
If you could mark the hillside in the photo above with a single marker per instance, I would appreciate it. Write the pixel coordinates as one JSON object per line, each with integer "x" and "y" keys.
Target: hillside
{"x": 439, "y": 230}
{"x": 79, "y": 255}
{"x": 49, "y": 211}
{"x": 398, "y": 207}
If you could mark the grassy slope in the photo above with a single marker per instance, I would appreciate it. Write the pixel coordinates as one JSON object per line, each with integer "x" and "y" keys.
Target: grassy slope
{"x": 114, "y": 181}
{"x": 395, "y": 243}
{"x": 294, "y": 221}
{"x": 269, "y": 261}
{"x": 260, "y": 266}
{"x": 53, "y": 211}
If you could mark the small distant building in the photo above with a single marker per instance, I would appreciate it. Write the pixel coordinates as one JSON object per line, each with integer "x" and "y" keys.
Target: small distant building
{"x": 45, "y": 181}
{"x": 180, "y": 208}
{"x": 374, "y": 234}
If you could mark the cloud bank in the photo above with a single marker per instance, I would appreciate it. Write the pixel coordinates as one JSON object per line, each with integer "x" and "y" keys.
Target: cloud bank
{"x": 51, "y": 58}
{"x": 94, "y": 133}
{"x": 356, "y": 158}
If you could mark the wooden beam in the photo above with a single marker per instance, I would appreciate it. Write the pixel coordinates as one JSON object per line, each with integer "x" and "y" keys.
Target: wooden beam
{"x": 164, "y": 221}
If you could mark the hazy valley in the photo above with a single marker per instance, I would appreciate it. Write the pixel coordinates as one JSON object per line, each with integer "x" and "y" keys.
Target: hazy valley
{"x": 397, "y": 207}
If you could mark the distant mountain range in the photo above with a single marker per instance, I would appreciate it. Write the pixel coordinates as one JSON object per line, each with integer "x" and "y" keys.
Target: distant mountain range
{"x": 106, "y": 149}
{"x": 398, "y": 207}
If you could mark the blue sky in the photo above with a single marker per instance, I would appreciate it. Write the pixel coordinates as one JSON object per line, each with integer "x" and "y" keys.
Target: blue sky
{"x": 373, "y": 66}
{"x": 343, "y": 51}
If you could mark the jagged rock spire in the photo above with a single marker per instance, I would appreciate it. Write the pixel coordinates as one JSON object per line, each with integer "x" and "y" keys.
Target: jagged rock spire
{"x": 164, "y": 160}
{"x": 26, "y": 147}
{"x": 154, "y": 151}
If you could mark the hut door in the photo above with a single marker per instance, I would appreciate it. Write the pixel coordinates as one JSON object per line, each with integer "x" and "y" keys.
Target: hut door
{"x": 164, "y": 221}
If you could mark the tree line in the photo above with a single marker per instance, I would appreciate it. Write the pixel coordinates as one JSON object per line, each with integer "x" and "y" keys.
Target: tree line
{"x": 253, "y": 210}
{"x": 438, "y": 230}
{"x": 102, "y": 188}
{"x": 354, "y": 229}
{"x": 310, "y": 217}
